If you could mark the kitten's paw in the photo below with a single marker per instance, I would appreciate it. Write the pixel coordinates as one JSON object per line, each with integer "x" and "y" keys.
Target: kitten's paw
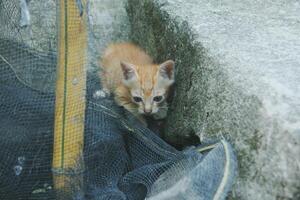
{"x": 101, "y": 93}
{"x": 106, "y": 91}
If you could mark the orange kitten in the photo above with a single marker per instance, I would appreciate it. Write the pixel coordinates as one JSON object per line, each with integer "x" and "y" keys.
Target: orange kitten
{"x": 139, "y": 85}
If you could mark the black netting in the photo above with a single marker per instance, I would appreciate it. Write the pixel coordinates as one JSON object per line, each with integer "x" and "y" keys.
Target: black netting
{"x": 121, "y": 159}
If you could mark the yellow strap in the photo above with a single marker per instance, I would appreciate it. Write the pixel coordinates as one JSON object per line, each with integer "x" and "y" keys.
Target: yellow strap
{"x": 70, "y": 93}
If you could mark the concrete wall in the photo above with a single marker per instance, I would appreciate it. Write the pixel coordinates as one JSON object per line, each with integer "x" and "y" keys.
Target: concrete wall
{"x": 238, "y": 77}
{"x": 108, "y": 22}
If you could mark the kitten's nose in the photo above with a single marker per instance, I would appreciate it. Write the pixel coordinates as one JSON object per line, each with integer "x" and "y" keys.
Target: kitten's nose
{"x": 147, "y": 111}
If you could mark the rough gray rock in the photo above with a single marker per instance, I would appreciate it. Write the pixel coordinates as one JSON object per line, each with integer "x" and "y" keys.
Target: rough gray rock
{"x": 37, "y": 29}
{"x": 237, "y": 77}
{"x": 32, "y": 23}
{"x": 108, "y": 22}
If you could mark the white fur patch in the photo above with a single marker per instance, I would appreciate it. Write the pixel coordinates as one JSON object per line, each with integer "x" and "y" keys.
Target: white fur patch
{"x": 101, "y": 93}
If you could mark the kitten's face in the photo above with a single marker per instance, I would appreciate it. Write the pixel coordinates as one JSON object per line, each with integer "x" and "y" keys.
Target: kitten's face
{"x": 148, "y": 85}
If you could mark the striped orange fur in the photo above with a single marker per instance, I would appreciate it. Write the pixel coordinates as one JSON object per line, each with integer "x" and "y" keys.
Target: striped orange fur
{"x": 139, "y": 85}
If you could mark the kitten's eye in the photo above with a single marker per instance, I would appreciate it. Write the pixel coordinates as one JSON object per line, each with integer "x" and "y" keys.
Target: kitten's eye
{"x": 158, "y": 98}
{"x": 137, "y": 99}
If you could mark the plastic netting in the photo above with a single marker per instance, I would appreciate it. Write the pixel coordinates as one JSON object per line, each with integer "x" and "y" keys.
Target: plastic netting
{"x": 120, "y": 158}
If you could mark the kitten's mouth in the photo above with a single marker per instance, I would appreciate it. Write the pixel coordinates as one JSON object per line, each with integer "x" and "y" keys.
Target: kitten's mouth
{"x": 147, "y": 113}
{"x": 152, "y": 112}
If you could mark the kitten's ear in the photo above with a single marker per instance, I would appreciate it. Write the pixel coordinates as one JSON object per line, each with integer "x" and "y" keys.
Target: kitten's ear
{"x": 167, "y": 70}
{"x": 128, "y": 71}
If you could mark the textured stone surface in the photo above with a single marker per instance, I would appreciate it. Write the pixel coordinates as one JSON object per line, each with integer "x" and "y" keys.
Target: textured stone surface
{"x": 108, "y": 22}
{"x": 40, "y": 30}
{"x": 237, "y": 77}
{"x": 39, "y": 35}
